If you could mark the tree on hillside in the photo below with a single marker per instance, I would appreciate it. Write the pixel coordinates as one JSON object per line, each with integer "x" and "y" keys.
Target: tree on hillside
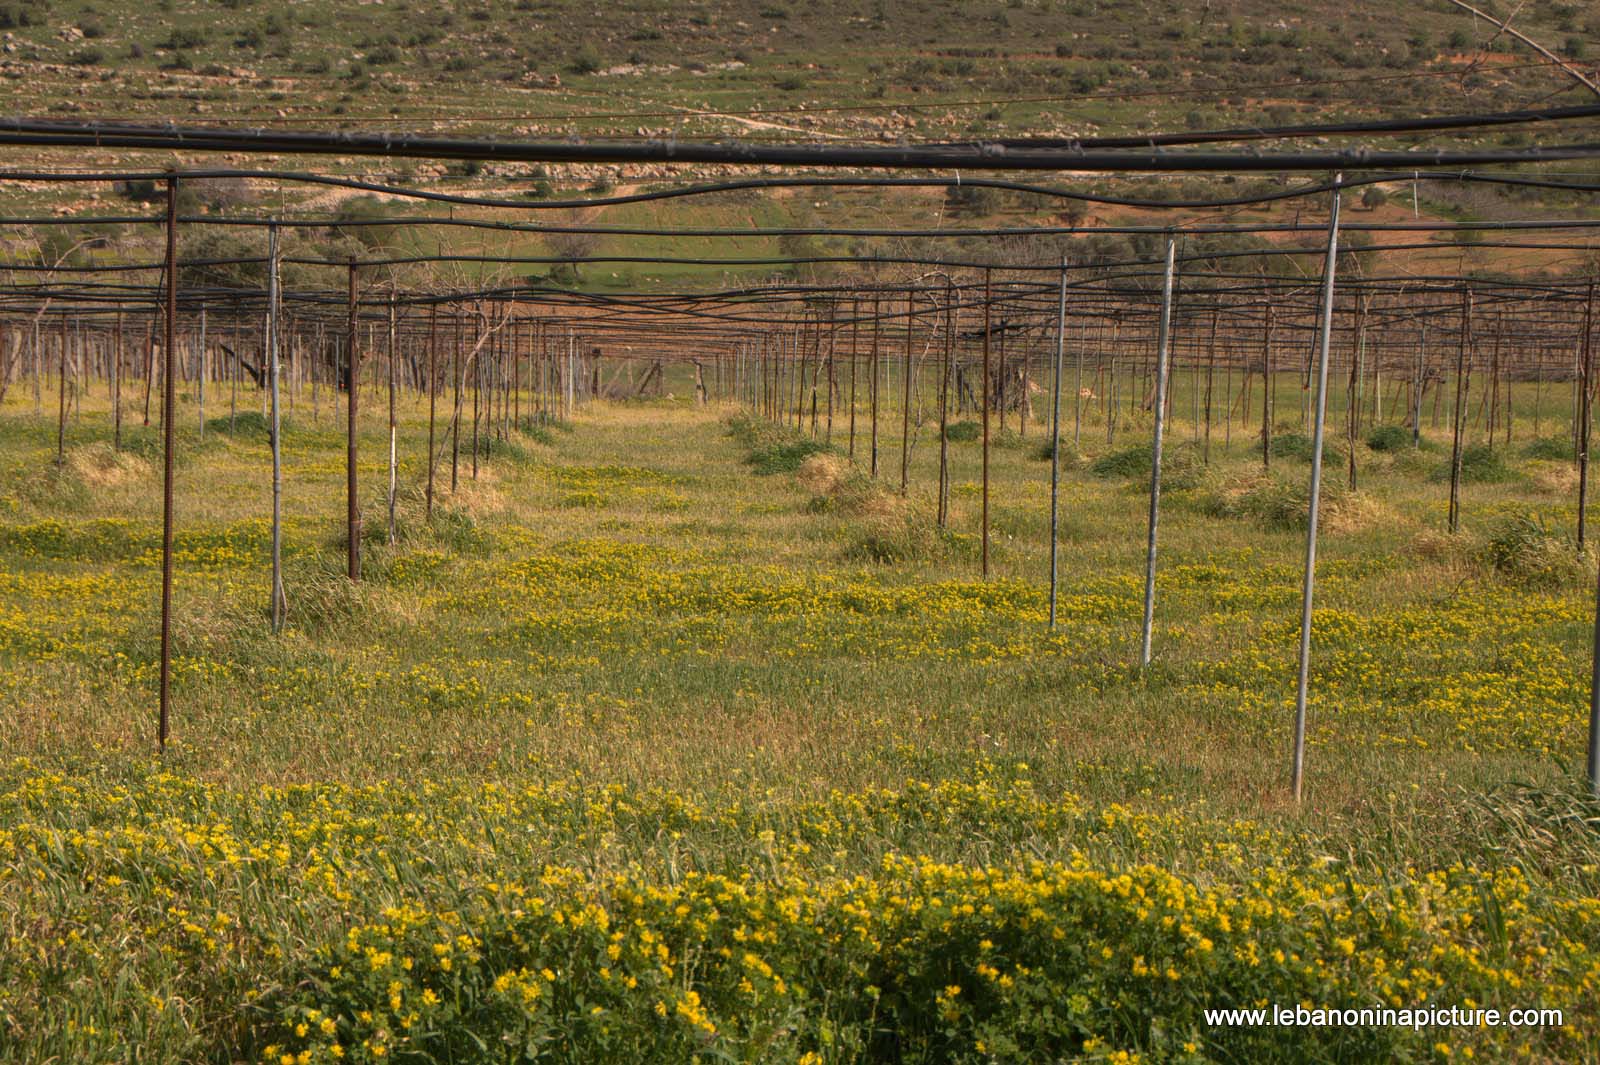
{"x": 572, "y": 249}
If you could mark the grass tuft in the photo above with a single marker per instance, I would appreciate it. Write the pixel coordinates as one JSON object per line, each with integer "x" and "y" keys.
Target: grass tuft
{"x": 1182, "y": 467}
{"x": 1389, "y": 438}
{"x": 963, "y": 432}
{"x": 1285, "y": 503}
{"x": 1551, "y": 447}
{"x": 1298, "y": 446}
{"x": 1524, "y": 551}
{"x": 1480, "y": 464}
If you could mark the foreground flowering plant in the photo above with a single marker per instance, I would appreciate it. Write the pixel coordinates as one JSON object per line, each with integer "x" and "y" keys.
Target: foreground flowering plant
{"x": 436, "y": 922}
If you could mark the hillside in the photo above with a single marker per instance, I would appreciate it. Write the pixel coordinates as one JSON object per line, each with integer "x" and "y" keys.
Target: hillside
{"x": 834, "y": 68}
{"x": 758, "y": 70}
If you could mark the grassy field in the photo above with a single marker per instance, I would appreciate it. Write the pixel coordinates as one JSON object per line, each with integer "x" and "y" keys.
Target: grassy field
{"x": 638, "y": 751}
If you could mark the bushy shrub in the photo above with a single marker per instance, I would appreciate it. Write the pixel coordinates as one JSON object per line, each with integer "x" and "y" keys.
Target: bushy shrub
{"x": 785, "y": 456}
{"x": 1071, "y": 459}
{"x": 1298, "y": 446}
{"x": 774, "y": 448}
{"x": 1554, "y": 448}
{"x": 1389, "y": 438}
{"x": 1181, "y": 465}
{"x": 1480, "y": 464}
{"x": 1129, "y": 462}
{"x": 1277, "y": 502}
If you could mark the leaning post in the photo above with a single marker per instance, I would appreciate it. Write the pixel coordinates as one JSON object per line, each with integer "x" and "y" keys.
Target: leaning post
{"x": 1319, "y": 427}
{"x": 1163, "y": 350}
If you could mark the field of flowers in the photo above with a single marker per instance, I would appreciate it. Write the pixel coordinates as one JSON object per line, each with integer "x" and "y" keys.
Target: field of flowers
{"x": 637, "y": 752}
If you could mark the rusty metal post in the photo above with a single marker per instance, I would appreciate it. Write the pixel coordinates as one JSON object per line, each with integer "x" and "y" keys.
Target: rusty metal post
{"x": 1055, "y": 435}
{"x": 855, "y": 337}
{"x": 876, "y": 330}
{"x": 394, "y": 424}
{"x": 1585, "y": 418}
{"x": 1593, "y": 761}
{"x": 456, "y": 373}
{"x": 988, "y": 293}
{"x": 944, "y": 405}
{"x": 433, "y": 397}
{"x": 832, "y": 350}
{"x": 116, "y": 387}
{"x": 61, "y": 410}
{"x": 353, "y": 369}
{"x": 1457, "y": 424}
{"x": 1266, "y": 391}
{"x": 200, "y": 378}
{"x": 905, "y": 414}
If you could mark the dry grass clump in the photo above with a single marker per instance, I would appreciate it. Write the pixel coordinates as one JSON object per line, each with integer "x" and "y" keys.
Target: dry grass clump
{"x": 1436, "y": 546}
{"x": 822, "y": 473}
{"x": 1556, "y": 478}
{"x": 99, "y": 465}
{"x": 1354, "y": 512}
{"x": 889, "y": 528}
{"x": 837, "y": 487}
{"x": 480, "y": 497}
{"x": 1285, "y": 503}
{"x": 888, "y": 538}
{"x": 1443, "y": 560}
{"x": 1524, "y": 551}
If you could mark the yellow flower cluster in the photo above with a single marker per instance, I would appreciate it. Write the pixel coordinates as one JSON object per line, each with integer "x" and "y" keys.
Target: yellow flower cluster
{"x": 336, "y": 923}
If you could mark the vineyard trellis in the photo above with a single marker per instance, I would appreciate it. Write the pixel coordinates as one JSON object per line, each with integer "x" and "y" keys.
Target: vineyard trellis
{"x": 1183, "y": 301}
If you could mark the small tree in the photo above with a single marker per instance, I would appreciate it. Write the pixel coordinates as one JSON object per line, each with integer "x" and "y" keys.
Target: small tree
{"x": 572, "y": 249}
{"x": 971, "y": 199}
{"x": 354, "y": 217}
{"x": 1374, "y": 198}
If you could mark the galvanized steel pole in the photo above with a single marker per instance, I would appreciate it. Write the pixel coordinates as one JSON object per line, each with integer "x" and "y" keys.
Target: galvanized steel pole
{"x": 168, "y": 402}
{"x": 1308, "y": 584}
{"x": 1163, "y": 345}
{"x": 279, "y": 601}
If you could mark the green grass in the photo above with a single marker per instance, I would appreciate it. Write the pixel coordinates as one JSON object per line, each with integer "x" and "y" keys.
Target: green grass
{"x": 770, "y": 759}
{"x": 1389, "y": 438}
{"x": 1480, "y": 464}
{"x": 1299, "y": 446}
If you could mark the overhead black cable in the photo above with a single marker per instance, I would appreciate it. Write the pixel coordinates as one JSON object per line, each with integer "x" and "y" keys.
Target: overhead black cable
{"x": 996, "y": 155}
